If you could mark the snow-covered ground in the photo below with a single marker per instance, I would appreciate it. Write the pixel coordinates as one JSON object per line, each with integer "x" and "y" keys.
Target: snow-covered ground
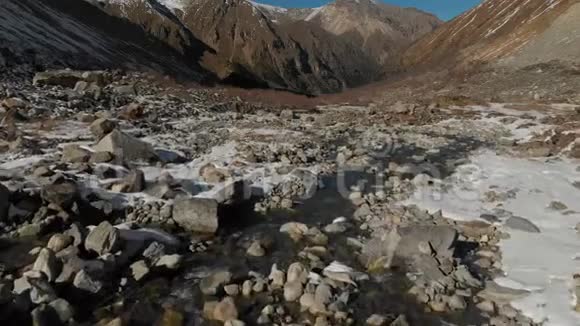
{"x": 542, "y": 263}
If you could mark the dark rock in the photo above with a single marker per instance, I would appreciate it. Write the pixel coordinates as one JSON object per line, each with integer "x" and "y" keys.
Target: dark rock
{"x": 66, "y": 78}
{"x": 522, "y": 224}
{"x": 62, "y": 194}
{"x": 4, "y": 202}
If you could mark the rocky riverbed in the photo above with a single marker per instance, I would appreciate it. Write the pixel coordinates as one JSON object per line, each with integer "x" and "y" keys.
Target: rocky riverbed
{"x": 129, "y": 201}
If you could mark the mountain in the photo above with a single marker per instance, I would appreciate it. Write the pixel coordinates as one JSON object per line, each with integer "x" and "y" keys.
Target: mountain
{"x": 72, "y": 33}
{"x": 294, "y": 49}
{"x": 514, "y": 33}
{"x": 381, "y": 30}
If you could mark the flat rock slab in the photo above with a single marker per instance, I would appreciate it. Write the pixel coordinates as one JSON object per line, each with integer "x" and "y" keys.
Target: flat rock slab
{"x": 196, "y": 214}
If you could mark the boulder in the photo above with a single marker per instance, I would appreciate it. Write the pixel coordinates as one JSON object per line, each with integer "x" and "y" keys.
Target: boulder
{"x": 131, "y": 111}
{"x": 442, "y": 240}
{"x": 103, "y": 239}
{"x": 210, "y": 284}
{"x": 65, "y": 78}
{"x": 522, "y": 224}
{"x": 4, "y": 202}
{"x": 47, "y": 263}
{"x": 101, "y": 127}
{"x": 225, "y": 310}
{"x": 211, "y": 174}
{"x": 41, "y": 291}
{"x": 169, "y": 261}
{"x": 196, "y": 214}
{"x": 139, "y": 270}
{"x": 101, "y": 157}
{"x": 62, "y": 194}
{"x": 134, "y": 182}
{"x": 75, "y": 154}
{"x": 125, "y": 147}
{"x": 86, "y": 282}
{"x": 63, "y": 309}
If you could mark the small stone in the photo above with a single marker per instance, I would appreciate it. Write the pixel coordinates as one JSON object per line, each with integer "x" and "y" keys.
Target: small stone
{"x": 259, "y": 286}
{"x": 101, "y": 127}
{"x": 522, "y": 224}
{"x": 101, "y": 157}
{"x": 225, "y": 310}
{"x": 169, "y": 261}
{"x": 58, "y": 242}
{"x": 86, "y": 282}
{"x": 557, "y": 205}
{"x": 210, "y": 284}
{"x": 42, "y": 172}
{"x": 306, "y": 301}
{"x": 63, "y": 309}
{"x": 103, "y": 239}
{"x": 292, "y": 291}
{"x": 209, "y": 308}
{"x": 277, "y": 277}
{"x": 256, "y": 250}
{"x": 75, "y": 154}
{"x": 139, "y": 270}
{"x": 247, "y": 287}
{"x": 376, "y": 320}
{"x": 171, "y": 317}
{"x": 60, "y": 194}
{"x": 232, "y": 290}
{"x": 47, "y": 263}
{"x": 41, "y": 291}
{"x": 296, "y": 272}
{"x": 400, "y": 321}
{"x": 486, "y": 306}
{"x": 438, "y": 306}
{"x": 457, "y": 302}
{"x": 321, "y": 321}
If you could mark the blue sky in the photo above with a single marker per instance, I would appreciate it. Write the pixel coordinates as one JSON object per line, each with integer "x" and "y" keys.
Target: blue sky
{"x": 444, "y": 9}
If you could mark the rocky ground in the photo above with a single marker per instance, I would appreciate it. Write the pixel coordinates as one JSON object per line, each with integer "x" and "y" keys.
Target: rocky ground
{"x": 130, "y": 201}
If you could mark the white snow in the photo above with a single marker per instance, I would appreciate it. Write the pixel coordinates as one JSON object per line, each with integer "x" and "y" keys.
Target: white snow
{"x": 268, "y": 8}
{"x": 541, "y": 262}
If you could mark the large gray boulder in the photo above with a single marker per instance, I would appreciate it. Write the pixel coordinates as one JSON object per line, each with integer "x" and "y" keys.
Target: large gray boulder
{"x": 4, "y": 202}
{"x": 125, "y": 147}
{"x": 103, "y": 239}
{"x": 196, "y": 214}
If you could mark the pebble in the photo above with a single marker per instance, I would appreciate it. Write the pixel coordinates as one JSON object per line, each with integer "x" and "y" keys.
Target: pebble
{"x": 292, "y": 291}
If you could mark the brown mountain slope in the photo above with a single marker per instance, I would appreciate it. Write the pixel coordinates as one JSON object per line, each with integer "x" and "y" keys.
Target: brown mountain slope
{"x": 381, "y": 30}
{"x": 290, "y": 55}
{"x": 71, "y": 33}
{"x": 294, "y": 49}
{"x": 501, "y": 29}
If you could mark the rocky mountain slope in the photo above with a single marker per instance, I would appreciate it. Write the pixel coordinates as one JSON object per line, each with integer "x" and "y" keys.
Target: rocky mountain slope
{"x": 519, "y": 32}
{"x": 294, "y": 49}
{"x": 70, "y": 33}
{"x": 381, "y": 30}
